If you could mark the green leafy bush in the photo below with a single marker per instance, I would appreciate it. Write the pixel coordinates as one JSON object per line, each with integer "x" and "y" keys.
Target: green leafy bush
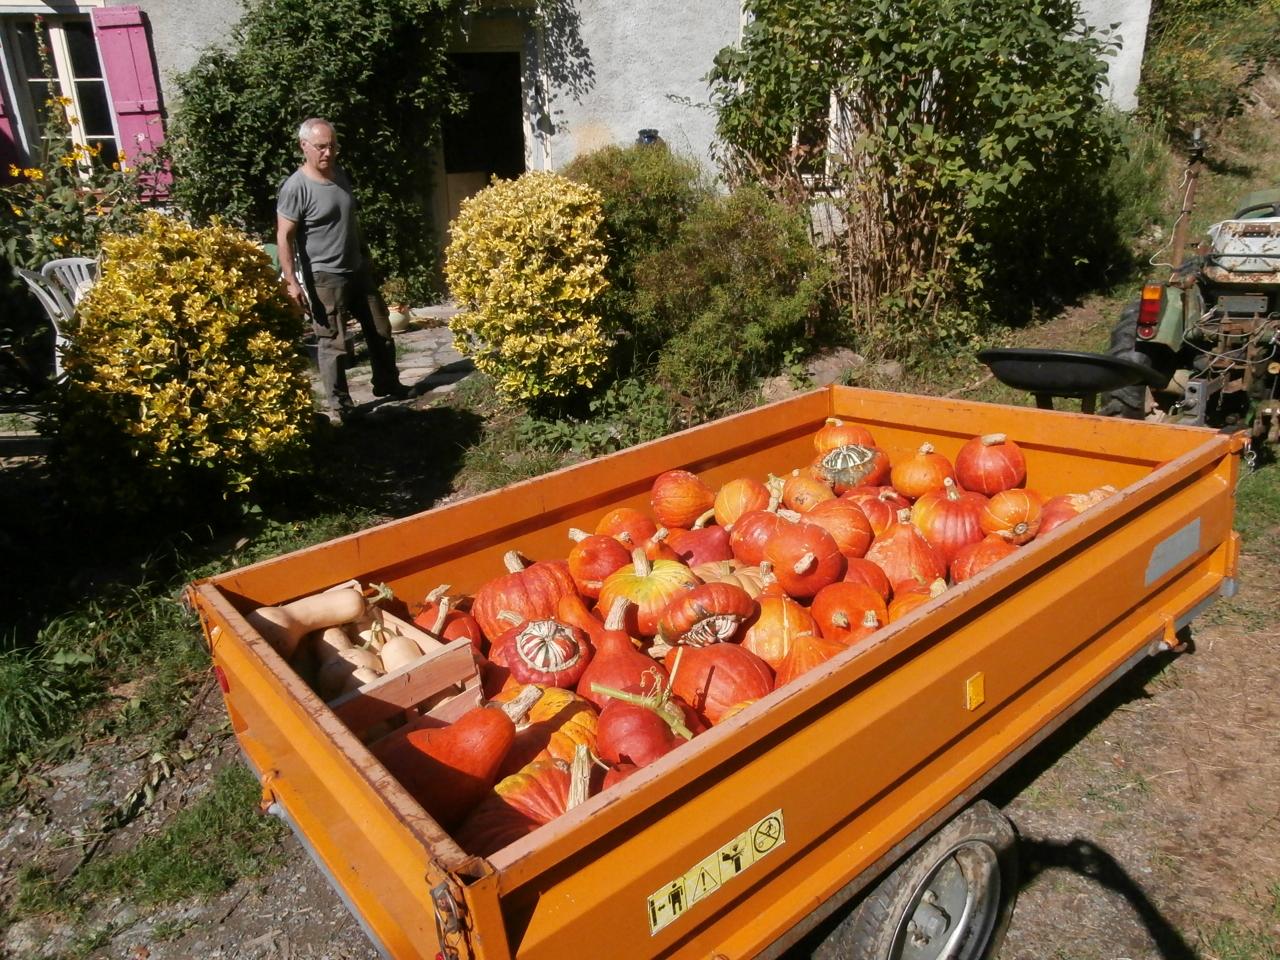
{"x": 183, "y": 381}
{"x": 377, "y": 69}
{"x": 738, "y": 290}
{"x": 912, "y": 128}
{"x": 527, "y": 263}
{"x": 627, "y": 412}
{"x": 646, "y": 193}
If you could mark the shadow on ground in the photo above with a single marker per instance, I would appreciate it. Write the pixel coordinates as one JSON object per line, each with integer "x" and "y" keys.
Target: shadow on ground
{"x": 396, "y": 461}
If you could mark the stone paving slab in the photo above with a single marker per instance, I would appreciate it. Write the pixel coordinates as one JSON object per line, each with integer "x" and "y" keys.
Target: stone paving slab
{"x": 425, "y": 355}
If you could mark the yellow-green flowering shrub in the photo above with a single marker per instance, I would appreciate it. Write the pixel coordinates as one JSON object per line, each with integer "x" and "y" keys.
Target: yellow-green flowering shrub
{"x": 183, "y": 378}
{"x": 526, "y": 261}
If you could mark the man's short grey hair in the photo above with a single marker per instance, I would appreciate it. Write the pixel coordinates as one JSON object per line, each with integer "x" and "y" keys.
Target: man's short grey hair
{"x": 307, "y": 129}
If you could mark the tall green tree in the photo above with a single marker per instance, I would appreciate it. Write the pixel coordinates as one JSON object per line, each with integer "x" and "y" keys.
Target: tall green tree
{"x": 919, "y": 131}
{"x": 376, "y": 68}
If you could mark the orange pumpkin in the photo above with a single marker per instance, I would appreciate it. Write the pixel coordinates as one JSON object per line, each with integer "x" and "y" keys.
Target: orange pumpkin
{"x": 557, "y": 722}
{"x": 650, "y": 585}
{"x": 921, "y": 473}
{"x": 807, "y": 652}
{"x": 989, "y": 464}
{"x": 949, "y": 518}
{"x": 905, "y": 555}
{"x": 841, "y": 610}
{"x": 880, "y": 505}
{"x": 912, "y": 596}
{"x": 592, "y": 558}
{"x": 1013, "y": 515}
{"x": 752, "y": 532}
{"x": 805, "y": 558}
{"x": 839, "y": 433}
{"x": 714, "y": 679}
{"x": 524, "y": 801}
{"x": 634, "y": 523}
{"x": 679, "y": 498}
{"x": 441, "y": 618}
{"x": 739, "y": 496}
{"x": 531, "y": 592}
{"x": 780, "y": 621}
{"x": 846, "y": 523}
{"x": 801, "y": 492}
{"x": 976, "y": 557}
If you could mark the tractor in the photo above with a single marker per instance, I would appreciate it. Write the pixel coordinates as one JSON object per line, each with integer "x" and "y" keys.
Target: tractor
{"x": 1209, "y": 334}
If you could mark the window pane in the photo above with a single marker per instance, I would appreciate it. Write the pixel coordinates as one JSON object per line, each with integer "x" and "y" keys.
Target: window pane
{"x": 26, "y": 34}
{"x": 84, "y": 53}
{"x": 40, "y": 91}
{"x": 95, "y": 114}
{"x": 109, "y": 154}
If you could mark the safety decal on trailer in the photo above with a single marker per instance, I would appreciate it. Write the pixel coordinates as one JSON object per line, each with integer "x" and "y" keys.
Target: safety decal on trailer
{"x": 672, "y": 899}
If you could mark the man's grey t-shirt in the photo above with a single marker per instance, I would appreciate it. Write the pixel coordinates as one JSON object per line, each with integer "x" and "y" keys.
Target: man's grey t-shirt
{"x": 328, "y": 236}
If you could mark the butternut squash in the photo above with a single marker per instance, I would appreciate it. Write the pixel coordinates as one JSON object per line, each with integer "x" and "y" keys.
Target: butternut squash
{"x": 284, "y": 626}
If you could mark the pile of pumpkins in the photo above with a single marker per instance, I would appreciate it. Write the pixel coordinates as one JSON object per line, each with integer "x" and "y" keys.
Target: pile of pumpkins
{"x": 657, "y": 626}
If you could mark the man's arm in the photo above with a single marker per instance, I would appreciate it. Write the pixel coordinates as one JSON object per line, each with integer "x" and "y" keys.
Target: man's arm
{"x": 286, "y": 234}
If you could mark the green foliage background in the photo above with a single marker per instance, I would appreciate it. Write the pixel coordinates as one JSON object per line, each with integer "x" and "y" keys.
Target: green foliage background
{"x": 376, "y": 68}
{"x": 1202, "y": 56}
{"x": 948, "y": 120}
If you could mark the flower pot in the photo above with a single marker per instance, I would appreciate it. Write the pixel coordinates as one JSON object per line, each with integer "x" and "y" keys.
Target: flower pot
{"x": 398, "y": 316}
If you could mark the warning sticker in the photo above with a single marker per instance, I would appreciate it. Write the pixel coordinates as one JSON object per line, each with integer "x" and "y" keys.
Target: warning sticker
{"x": 674, "y": 898}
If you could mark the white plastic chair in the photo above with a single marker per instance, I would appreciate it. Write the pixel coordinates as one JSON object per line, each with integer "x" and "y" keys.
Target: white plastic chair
{"x": 75, "y": 275}
{"x": 58, "y": 308}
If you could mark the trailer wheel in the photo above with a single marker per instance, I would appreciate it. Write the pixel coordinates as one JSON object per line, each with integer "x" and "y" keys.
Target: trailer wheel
{"x": 949, "y": 900}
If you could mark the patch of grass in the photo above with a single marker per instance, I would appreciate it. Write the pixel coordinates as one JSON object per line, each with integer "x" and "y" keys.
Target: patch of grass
{"x": 1258, "y": 503}
{"x": 34, "y": 695}
{"x": 202, "y": 851}
{"x": 1231, "y": 941}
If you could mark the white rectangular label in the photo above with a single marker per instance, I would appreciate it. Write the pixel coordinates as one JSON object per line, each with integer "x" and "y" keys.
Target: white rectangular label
{"x": 1172, "y": 550}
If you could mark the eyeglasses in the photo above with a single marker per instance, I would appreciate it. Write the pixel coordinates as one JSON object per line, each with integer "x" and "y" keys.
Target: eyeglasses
{"x": 322, "y": 147}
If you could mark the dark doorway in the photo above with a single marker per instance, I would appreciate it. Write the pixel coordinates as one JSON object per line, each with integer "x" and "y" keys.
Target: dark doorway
{"x": 488, "y": 139}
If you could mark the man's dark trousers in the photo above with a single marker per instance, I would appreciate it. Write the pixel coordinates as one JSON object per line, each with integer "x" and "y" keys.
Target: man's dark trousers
{"x": 335, "y": 299}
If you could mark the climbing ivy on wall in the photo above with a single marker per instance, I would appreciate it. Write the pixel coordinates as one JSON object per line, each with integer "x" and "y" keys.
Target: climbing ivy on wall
{"x": 376, "y": 68}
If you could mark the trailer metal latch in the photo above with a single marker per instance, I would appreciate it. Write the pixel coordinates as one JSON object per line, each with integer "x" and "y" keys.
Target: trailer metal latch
{"x": 448, "y": 922}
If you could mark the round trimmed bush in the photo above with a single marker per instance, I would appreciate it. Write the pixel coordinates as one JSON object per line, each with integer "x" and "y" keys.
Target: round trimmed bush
{"x": 184, "y": 380}
{"x": 526, "y": 261}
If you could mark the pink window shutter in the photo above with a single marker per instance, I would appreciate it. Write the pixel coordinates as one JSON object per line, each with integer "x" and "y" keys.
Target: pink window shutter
{"x": 9, "y": 149}
{"x": 130, "y": 71}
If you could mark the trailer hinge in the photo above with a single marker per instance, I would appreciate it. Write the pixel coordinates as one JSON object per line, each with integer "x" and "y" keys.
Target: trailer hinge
{"x": 451, "y": 932}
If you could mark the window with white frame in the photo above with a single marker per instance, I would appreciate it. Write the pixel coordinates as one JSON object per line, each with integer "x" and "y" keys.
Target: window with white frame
{"x": 73, "y": 81}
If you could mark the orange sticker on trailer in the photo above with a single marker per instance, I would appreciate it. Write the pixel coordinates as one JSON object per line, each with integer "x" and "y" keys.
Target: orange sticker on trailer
{"x": 671, "y": 900}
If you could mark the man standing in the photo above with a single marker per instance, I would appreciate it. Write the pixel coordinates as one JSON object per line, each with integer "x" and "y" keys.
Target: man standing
{"x": 316, "y": 221}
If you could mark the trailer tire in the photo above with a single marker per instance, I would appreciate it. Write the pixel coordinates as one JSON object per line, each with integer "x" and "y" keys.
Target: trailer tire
{"x": 969, "y": 866}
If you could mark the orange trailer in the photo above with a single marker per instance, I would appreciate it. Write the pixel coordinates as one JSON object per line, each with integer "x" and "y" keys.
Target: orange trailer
{"x": 851, "y": 779}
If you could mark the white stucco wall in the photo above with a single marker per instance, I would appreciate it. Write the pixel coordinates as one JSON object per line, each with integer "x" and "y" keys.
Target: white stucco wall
{"x": 1130, "y": 18}
{"x": 183, "y": 29}
{"x": 644, "y": 54}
